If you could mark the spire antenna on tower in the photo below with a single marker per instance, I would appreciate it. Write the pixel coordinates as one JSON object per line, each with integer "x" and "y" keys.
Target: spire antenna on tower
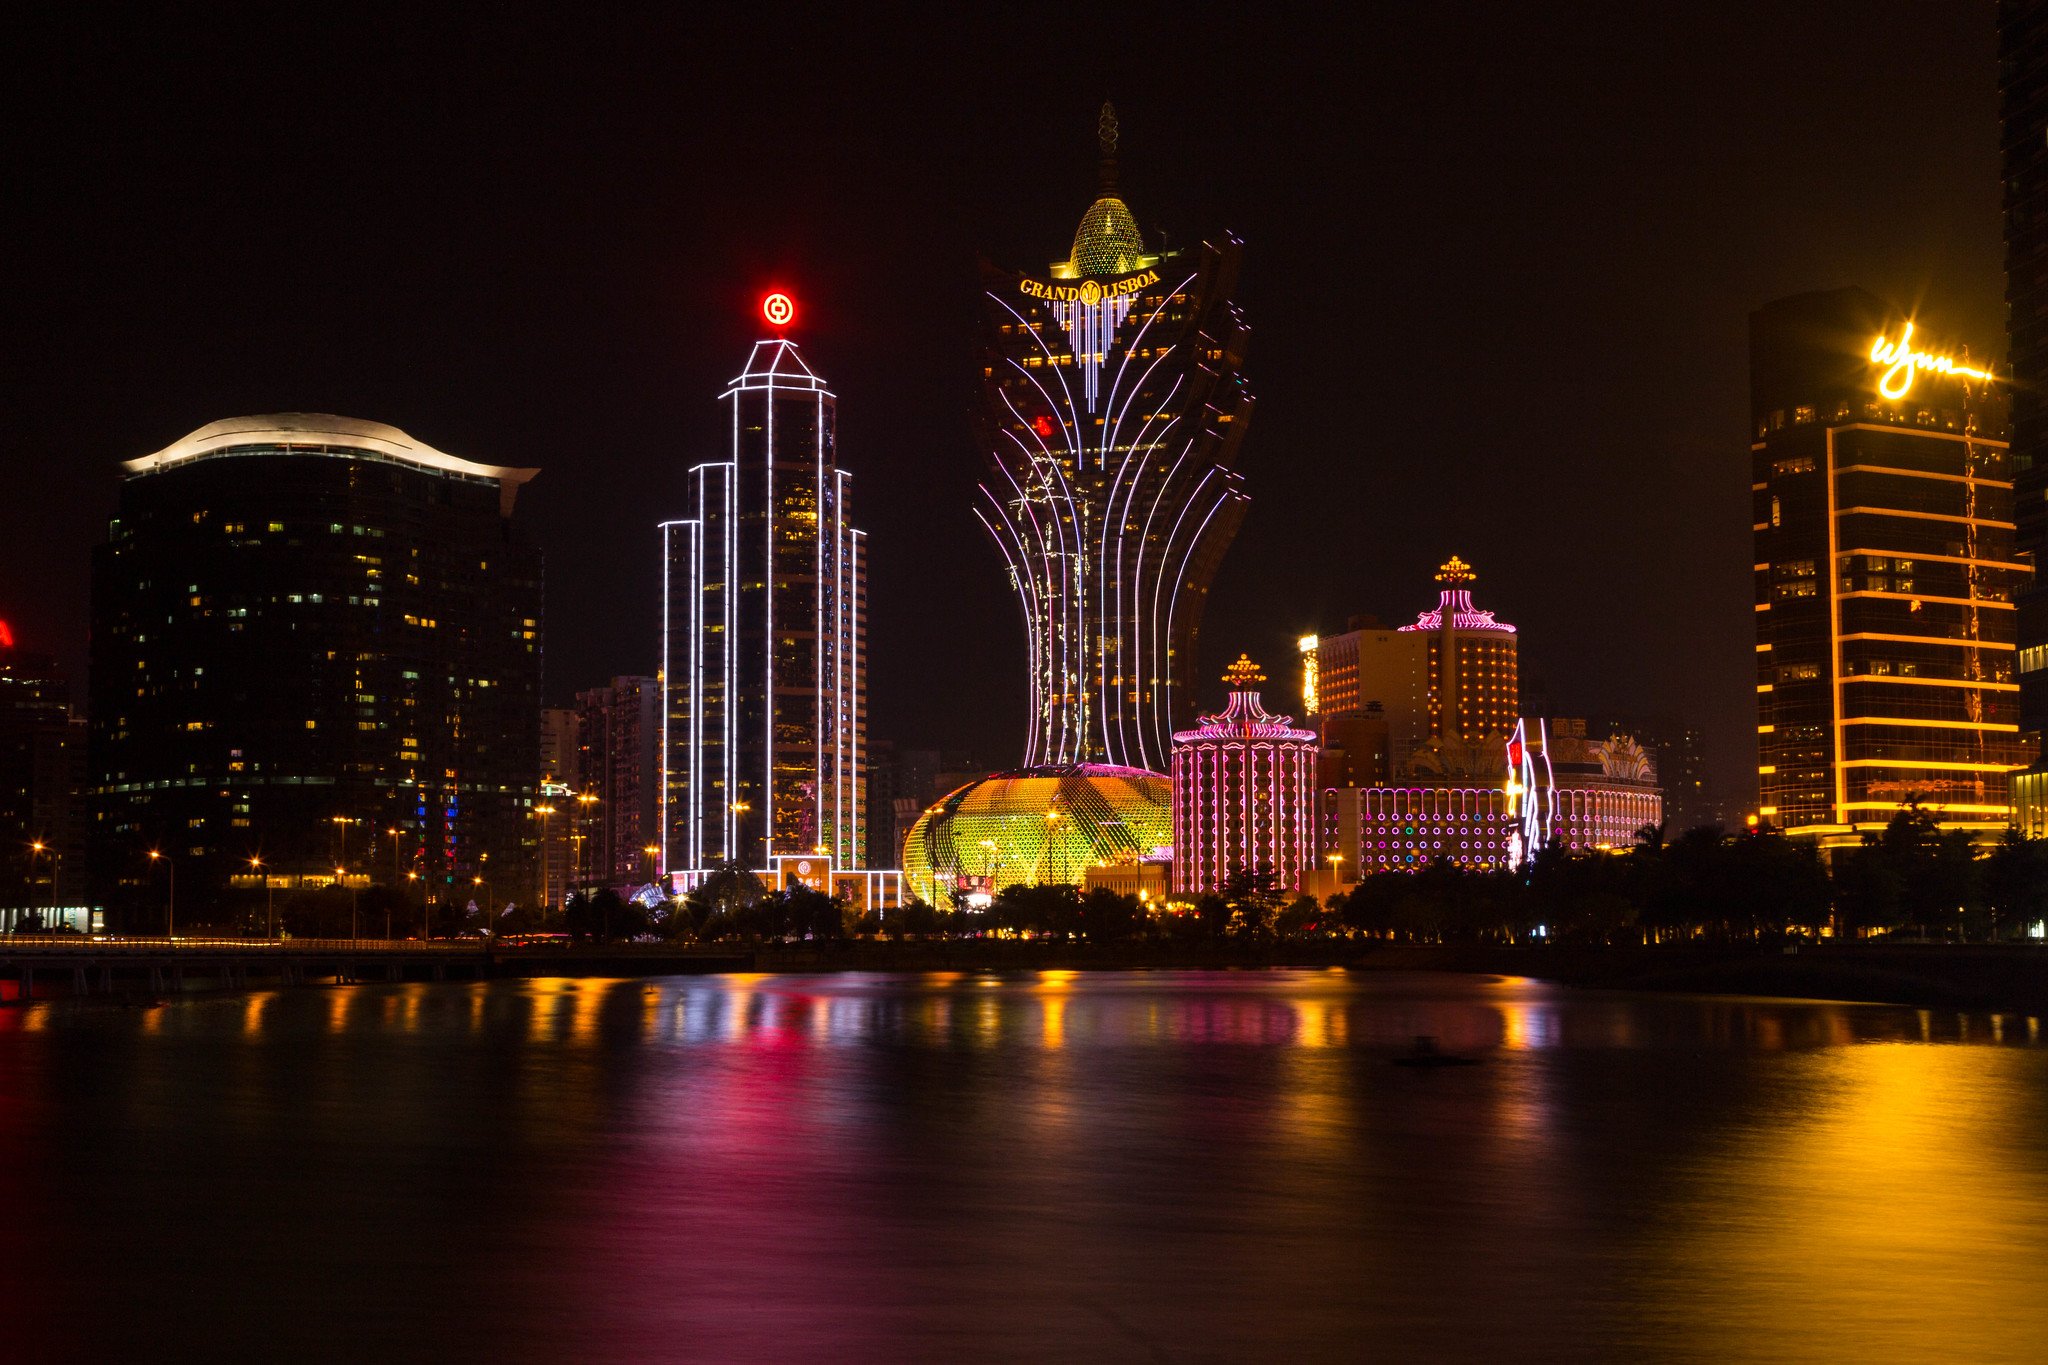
{"x": 1105, "y": 132}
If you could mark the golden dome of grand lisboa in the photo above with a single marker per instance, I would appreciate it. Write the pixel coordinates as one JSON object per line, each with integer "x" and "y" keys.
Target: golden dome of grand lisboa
{"x": 1107, "y": 242}
{"x": 1032, "y": 825}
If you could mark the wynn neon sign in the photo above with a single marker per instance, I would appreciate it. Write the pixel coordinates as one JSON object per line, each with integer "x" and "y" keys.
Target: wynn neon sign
{"x": 1904, "y": 364}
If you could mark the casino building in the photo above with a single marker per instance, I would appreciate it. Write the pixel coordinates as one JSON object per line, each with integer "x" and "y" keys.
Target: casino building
{"x": 1244, "y": 792}
{"x": 1112, "y": 415}
{"x": 1886, "y": 573}
{"x": 315, "y": 641}
{"x": 1448, "y": 678}
{"x": 1113, "y": 411}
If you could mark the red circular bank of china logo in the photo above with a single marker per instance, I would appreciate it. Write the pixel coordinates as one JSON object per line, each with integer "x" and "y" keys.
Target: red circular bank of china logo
{"x": 779, "y": 309}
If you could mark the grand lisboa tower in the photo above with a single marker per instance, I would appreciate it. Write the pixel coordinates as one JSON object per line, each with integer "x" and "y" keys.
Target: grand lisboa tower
{"x": 1112, "y": 413}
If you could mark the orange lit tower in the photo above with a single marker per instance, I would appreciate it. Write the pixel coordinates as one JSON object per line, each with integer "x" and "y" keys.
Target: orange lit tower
{"x": 1886, "y": 572}
{"x": 1475, "y": 693}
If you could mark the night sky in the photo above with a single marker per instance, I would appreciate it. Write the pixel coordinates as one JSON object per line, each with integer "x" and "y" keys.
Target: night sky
{"x": 1498, "y": 270}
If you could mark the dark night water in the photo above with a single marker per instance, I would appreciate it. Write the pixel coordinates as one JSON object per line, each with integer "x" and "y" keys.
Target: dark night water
{"x": 1157, "y": 1166}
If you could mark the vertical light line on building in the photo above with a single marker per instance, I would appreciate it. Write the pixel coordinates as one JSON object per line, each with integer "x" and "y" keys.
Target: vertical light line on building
{"x": 767, "y": 819}
{"x": 842, "y": 711}
{"x": 859, "y": 684}
{"x": 1834, "y": 572}
{"x": 818, "y": 637}
{"x": 729, "y": 652}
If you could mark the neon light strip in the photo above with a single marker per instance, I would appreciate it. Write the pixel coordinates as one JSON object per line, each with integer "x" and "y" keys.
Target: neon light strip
{"x": 1929, "y": 724}
{"x": 1932, "y": 765}
{"x": 1927, "y": 640}
{"x": 1921, "y": 516}
{"x": 1974, "y": 603}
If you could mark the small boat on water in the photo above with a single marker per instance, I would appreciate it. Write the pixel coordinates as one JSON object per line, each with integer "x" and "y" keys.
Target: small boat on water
{"x": 1426, "y": 1053}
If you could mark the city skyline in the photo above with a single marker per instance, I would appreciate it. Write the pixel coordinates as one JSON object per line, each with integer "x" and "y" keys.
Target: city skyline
{"x": 550, "y": 335}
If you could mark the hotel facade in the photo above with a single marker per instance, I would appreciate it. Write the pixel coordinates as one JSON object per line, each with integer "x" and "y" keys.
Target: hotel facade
{"x": 1886, "y": 573}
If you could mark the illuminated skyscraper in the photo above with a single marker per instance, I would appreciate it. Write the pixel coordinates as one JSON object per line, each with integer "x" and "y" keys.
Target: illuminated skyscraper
{"x": 1885, "y": 572}
{"x": 763, "y": 633}
{"x": 1244, "y": 792}
{"x": 1113, "y": 411}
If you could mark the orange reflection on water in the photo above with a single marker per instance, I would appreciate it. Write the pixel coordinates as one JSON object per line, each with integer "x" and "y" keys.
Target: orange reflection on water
{"x": 1888, "y": 1193}
{"x": 1527, "y": 1024}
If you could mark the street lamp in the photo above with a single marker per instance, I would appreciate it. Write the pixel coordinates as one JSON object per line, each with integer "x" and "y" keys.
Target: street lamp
{"x": 340, "y": 876}
{"x": 487, "y": 904}
{"x": 341, "y": 824}
{"x": 56, "y": 868}
{"x": 170, "y": 905}
{"x": 547, "y": 860}
{"x": 396, "y": 834}
{"x": 269, "y": 898}
{"x": 424, "y": 935}
{"x": 652, "y": 852}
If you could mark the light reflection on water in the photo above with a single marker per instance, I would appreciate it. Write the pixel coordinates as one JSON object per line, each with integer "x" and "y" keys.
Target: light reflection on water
{"x": 1150, "y": 1165}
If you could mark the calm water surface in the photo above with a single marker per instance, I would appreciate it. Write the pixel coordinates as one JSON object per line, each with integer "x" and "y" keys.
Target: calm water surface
{"x": 1146, "y": 1166}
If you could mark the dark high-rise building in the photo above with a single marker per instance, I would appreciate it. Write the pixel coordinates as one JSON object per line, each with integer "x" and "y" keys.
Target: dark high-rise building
{"x": 619, "y": 766}
{"x": 309, "y": 631}
{"x": 559, "y": 813}
{"x": 42, "y": 783}
{"x": 1885, "y": 572}
{"x": 2023, "y": 109}
{"x": 764, "y": 633}
{"x": 1677, "y": 753}
{"x": 1112, "y": 412}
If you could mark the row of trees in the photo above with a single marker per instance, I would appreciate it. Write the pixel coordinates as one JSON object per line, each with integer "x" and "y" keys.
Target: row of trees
{"x": 1913, "y": 879}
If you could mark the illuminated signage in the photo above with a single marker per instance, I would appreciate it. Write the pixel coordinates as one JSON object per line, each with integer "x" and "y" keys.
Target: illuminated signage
{"x": 1090, "y": 292}
{"x": 779, "y": 309}
{"x": 1904, "y": 364}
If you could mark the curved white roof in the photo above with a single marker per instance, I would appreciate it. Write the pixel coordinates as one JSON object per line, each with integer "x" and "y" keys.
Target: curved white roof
{"x": 326, "y": 429}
